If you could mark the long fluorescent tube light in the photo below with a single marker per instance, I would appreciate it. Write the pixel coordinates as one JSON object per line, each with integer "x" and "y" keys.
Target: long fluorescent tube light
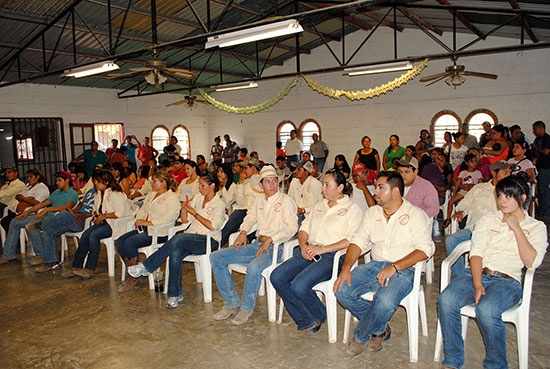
{"x": 235, "y": 86}
{"x": 286, "y": 27}
{"x": 91, "y": 69}
{"x": 374, "y": 69}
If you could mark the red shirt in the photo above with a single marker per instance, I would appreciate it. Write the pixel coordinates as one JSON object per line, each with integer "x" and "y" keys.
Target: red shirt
{"x": 280, "y": 152}
{"x": 145, "y": 154}
{"x": 178, "y": 176}
{"x": 109, "y": 152}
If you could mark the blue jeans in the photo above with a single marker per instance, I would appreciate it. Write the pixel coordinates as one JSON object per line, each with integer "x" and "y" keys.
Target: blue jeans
{"x": 292, "y": 159}
{"x": 294, "y": 280}
{"x": 256, "y": 265}
{"x": 451, "y": 243}
{"x": 89, "y": 245}
{"x": 177, "y": 248}
{"x": 129, "y": 243}
{"x": 232, "y": 225}
{"x": 12, "y": 237}
{"x": 320, "y": 163}
{"x": 34, "y": 231}
{"x": 501, "y": 294}
{"x": 61, "y": 222}
{"x": 374, "y": 316}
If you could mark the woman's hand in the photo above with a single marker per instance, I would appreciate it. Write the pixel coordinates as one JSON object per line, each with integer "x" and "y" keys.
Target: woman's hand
{"x": 99, "y": 219}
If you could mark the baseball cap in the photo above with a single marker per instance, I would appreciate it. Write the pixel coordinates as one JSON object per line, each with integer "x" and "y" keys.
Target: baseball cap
{"x": 251, "y": 161}
{"x": 307, "y": 165}
{"x": 359, "y": 167}
{"x": 408, "y": 160}
{"x": 501, "y": 164}
{"x": 11, "y": 167}
{"x": 268, "y": 171}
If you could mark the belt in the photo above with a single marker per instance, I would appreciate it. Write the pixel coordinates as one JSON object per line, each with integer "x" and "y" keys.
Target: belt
{"x": 494, "y": 273}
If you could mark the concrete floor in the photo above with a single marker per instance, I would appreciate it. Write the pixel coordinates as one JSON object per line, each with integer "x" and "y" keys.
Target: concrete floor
{"x": 49, "y": 322}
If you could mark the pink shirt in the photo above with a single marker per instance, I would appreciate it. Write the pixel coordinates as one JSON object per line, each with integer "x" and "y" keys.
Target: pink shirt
{"x": 470, "y": 177}
{"x": 423, "y": 195}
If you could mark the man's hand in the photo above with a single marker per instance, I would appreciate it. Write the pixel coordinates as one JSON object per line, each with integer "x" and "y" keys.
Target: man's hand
{"x": 385, "y": 275}
{"x": 361, "y": 186}
{"x": 99, "y": 219}
{"x": 480, "y": 291}
{"x": 40, "y": 214}
{"x": 459, "y": 215}
{"x": 265, "y": 246}
{"x": 345, "y": 276}
{"x": 240, "y": 241}
{"x": 304, "y": 252}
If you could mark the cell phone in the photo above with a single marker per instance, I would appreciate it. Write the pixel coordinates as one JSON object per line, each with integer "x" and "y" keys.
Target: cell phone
{"x": 317, "y": 258}
{"x": 140, "y": 229}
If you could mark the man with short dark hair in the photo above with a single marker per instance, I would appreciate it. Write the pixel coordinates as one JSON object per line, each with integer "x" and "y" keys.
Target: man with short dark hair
{"x": 9, "y": 190}
{"x": 230, "y": 150}
{"x": 293, "y": 149}
{"x": 319, "y": 150}
{"x": 174, "y": 144}
{"x": 541, "y": 149}
{"x": 471, "y": 140}
{"x": 304, "y": 189}
{"x": 418, "y": 191}
{"x": 400, "y": 235}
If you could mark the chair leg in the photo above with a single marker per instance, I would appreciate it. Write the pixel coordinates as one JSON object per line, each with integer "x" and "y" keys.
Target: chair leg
{"x": 430, "y": 271}
{"x": 151, "y": 281}
{"x": 198, "y": 273}
{"x": 63, "y": 247}
{"x": 166, "y": 275}
{"x": 110, "y": 245}
{"x": 412, "y": 323}
{"x": 438, "y": 343}
{"x": 464, "y": 327}
{"x": 2, "y": 235}
{"x": 522, "y": 333}
{"x": 281, "y": 309}
{"x": 206, "y": 272}
{"x": 123, "y": 277}
{"x": 261, "y": 292}
{"x": 347, "y": 323}
{"x": 331, "y": 316}
{"x": 271, "y": 300}
{"x": 423, "y": 318}
{"x": 22, "y": 241}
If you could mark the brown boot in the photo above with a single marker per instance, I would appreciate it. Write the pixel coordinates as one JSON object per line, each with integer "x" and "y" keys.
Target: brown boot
{"x": 131, "y": 283}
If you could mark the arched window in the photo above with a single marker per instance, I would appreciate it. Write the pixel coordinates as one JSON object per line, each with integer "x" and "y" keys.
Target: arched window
{"x": 307, "y": 129}
{"x": 182, "y": 134}
{"x": 443, "y": 121}
{"x": 476, "y": 118}
{"x": 283, "y": 131}
{"x": 160, "y": 137}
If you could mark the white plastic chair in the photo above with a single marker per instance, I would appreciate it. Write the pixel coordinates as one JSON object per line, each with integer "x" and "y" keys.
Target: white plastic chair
{"x": 518, "y": 315}
{"x": 147, "y": 250}
{"x": 266, "y": 274}
{"x": 429, "y": 266}
{"x": 75, "y": 236}
{"x": 412, "y": 303}
{"x": 326, "y": 288}
{"x": 445, "y": 207}
{"x": 120, "y": 226}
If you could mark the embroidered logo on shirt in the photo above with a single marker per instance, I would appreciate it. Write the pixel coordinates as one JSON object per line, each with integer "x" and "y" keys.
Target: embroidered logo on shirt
{"x": 277, "y": 207}
{"x": 404, "y": 219}
{"x": 495, "y": 231}
{"x": 527, "y": 233}
{"x": 209, "y": 210}
{"x": 341, "y": 212}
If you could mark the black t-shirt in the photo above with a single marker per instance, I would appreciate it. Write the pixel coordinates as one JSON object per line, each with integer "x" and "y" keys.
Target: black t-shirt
{"x": 368, "y": 160}
{"x": 543, "y": 161}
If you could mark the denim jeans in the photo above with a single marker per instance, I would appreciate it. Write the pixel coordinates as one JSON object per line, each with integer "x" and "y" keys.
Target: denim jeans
{"x": 374, "y": 316}
{"x": 294, "y": 280}
{"x": 129, "y": 243}
{"x": 7, "y": 220}
{"x": 451, "y": 243}
{"x": 320, "y": 164}
{"x": 177, "y": 248}
{"x": 501, "y": 294}
{"x": 256, "y": 265}
{"x": 232, "y": 225}
{"x": 12, "y": 237}
{"x": 61, "y": 222}
{"x": 292, "y": 159}
{"x": 89, "y": 245}
{"x": 34, "y": 231}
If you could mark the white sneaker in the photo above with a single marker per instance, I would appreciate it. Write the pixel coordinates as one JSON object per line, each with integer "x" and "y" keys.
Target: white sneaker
{"x": 174, "y": 302}
{"x": 137, "y": 271}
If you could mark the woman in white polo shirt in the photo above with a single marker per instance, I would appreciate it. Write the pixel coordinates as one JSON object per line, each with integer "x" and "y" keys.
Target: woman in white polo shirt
{"x": 161, "y": 206}
{"x": 206, "y": 212}
{"x": 503, "y": 242}
{"x": 327, "y": 228}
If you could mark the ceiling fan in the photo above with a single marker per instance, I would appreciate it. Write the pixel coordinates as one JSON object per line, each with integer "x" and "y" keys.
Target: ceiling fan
{"x": 454, "y": 75}
{"x": 158, "y": 71}
{"x": 190, "y": 102}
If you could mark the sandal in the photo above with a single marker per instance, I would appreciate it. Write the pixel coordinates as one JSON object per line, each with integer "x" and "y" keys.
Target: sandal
{"x": 446, "y": 223}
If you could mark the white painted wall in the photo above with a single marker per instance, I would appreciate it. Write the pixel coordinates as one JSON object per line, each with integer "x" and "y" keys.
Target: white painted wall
{"x": 520, "y": 95}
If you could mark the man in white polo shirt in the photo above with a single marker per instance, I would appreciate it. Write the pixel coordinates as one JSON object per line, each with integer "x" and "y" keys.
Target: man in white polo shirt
{"x": 293, "y": 149}
{"x": 400, "y": 236}
{"x": 304, "y": 189}
{"x": 274, "y": 216}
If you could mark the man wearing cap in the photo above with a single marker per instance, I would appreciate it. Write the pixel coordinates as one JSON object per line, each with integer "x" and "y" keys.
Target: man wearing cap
{"x": 361, "y": 194}
{"x": 274, "y": 215}
{"x": 293, "y": 149}
{"x": 481, "y": 199}
{"x": 246, "y": 192}
{"x": 61, "y": 199}
{"x": 418, "y": 191}
{"x": 304, "y": 189}
{"x": 12, "y": 188}
{"x": 470, "y": 140}
{"x": 398, "y": 235}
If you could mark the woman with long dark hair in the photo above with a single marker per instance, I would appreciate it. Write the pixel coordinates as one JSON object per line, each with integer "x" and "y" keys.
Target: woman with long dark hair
{"x": 341, "y": 164}
{"x": 392, "y": 152}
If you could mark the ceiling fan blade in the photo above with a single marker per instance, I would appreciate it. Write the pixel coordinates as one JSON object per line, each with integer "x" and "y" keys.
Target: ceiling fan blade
{"x": 444, "y": 75}
{"x": 184, "y": 101}
{"x": 140, "y": 69}
{"x": 117, "y": 75}
{"x": 482, "y": 75}
{"x": 179, "y": 72}
{"x": 433, "y": 76}
{"x": 202, "y": 101}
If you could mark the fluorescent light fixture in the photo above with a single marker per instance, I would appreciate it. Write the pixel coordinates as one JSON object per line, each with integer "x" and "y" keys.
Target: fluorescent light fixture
{"x": 91, "y": 69}
{"x": 9, "y": 138}
{"x": 286, "y": 27}
{"x": 374, "y": 69}
{"x": 235, "y": 86}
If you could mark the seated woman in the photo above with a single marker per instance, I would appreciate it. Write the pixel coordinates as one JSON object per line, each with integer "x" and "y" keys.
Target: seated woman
{"x": 206, "y": 213}
{"x": 503, "y": 242}
{"x": 159, "y": 207}
{"x": 227, "y": 187}
{"x": 327, "y": 229}
{"x": 341, "y": 164}
{"x": 189, "y": 187}
{"x": 110, "y": 203}
{"x": 121, "y": 175}
{"x": 143, "y": 185}
{"x": 498, "y": 148}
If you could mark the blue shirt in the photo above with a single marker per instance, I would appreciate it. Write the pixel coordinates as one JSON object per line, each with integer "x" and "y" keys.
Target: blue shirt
{"x": 61, "y": 198}
{"x": 88, "y": 202}
{"x": 91, "y": 161}
{"x": 131, "y": 154}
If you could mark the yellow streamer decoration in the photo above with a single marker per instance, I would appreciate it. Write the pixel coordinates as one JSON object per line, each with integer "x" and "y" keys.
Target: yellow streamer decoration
{"x": 367, "y": 94}
{"x": 249, "y": 109}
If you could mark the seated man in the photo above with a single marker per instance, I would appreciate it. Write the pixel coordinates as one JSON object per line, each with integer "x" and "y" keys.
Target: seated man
{"x": 400, "y": 235}
{"x": 361, "y": 194}
{"x": 274, "y": 214}
{"x": 418, "y": 191}
{"x": 503, "y": 242}
{"x": 304, "y": 189}
{"x": 9, "y": 190}
{"x": 480, "y": 200}
{"x": 282, "y": 171}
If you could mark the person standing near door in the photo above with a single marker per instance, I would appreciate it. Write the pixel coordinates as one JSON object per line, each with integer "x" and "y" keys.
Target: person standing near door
{"x": 91, "y": 158}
